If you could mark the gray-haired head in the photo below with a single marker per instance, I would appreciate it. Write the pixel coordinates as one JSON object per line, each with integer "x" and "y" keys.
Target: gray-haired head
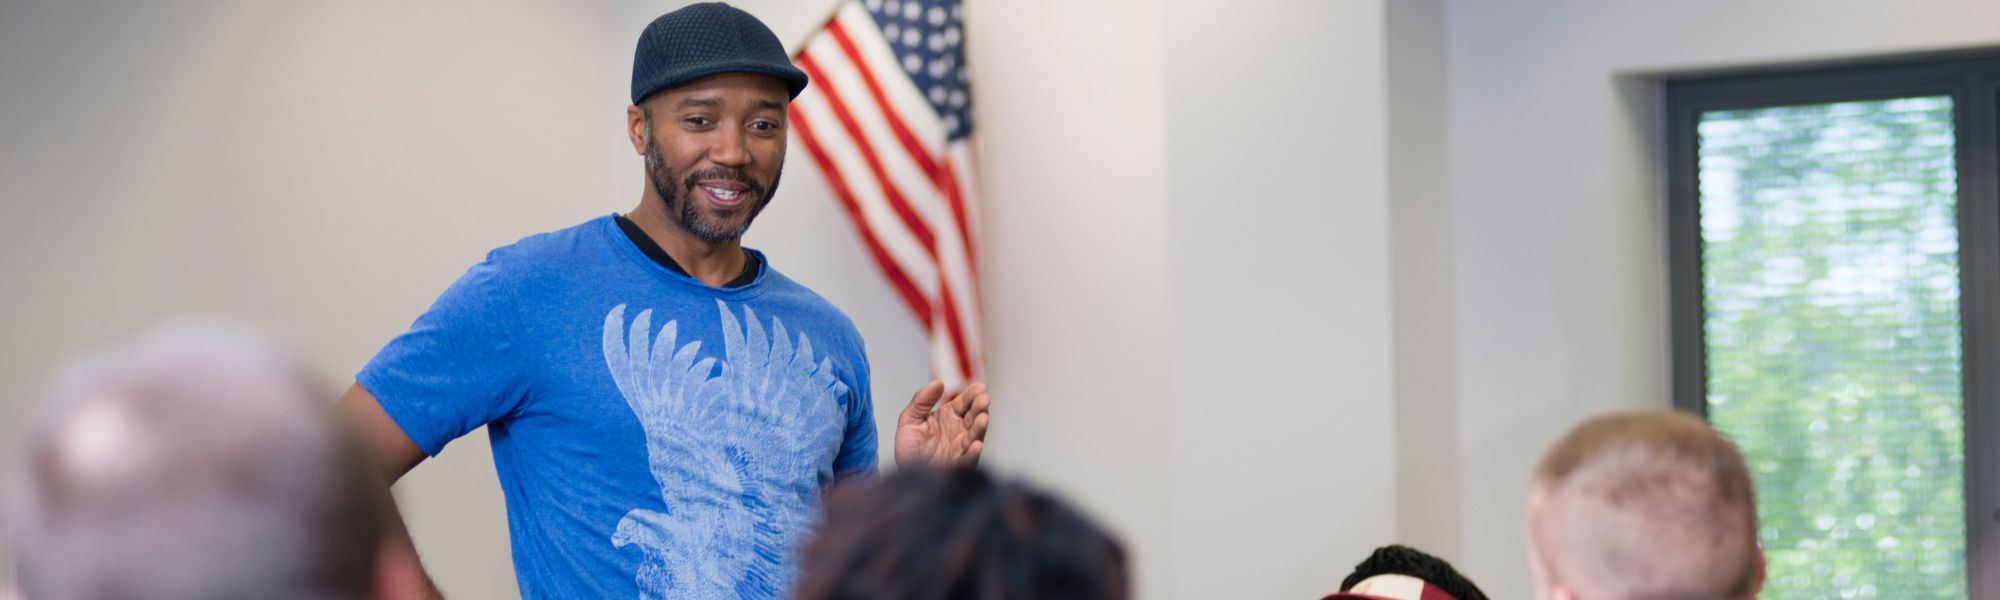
{"x": 194, "y": 461}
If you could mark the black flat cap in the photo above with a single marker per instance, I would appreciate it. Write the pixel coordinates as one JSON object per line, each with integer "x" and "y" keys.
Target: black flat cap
{"x": 706, "y": 39}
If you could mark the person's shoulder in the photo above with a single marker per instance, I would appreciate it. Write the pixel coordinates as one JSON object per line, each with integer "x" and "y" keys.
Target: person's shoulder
{"x": 560, "y": 248}
{"x": 536, "y": 263}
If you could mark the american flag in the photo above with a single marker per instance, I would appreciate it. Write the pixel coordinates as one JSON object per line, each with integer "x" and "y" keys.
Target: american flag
{"x": 888, "y": 119}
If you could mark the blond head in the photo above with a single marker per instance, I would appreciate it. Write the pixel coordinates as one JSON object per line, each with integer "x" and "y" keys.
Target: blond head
{"x": 1645, "y": 506}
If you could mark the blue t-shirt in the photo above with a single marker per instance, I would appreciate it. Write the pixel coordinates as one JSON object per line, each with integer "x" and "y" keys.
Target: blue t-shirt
{"x": 655, "y": 437}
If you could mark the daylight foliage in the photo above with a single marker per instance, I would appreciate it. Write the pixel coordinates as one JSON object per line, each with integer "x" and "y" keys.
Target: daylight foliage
{"x": 1830, "y": 274}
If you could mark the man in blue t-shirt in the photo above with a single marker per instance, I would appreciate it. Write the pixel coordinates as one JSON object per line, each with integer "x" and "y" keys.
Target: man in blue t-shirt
{"x": 665, "y": 408}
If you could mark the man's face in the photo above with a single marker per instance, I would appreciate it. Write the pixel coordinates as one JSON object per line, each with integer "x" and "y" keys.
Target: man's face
{"x": 715, "y": 148}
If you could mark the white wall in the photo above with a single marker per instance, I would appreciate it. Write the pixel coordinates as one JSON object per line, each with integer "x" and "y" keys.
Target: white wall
{"x": 1421, "y": 268}
{"x": 1283, "y": 444}
{"x": 1557, "y": 209}
{"x": 1072, "y": 143}
{"x": 319, "y": 170}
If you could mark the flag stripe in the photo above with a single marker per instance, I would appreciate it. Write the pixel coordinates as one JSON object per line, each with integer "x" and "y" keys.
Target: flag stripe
{"x": 846, "y": 118}
{"x": 910, "y": 144}
{"x": 915, "y": 258}
{"x": 900, "y": 94}
{"x": 886, "y": 120}
{"x": 955, "y": 195}
{"x": 942, "y": 174}
{"x": 951, "y": 320}
{"x": 962, "y": 154}
{"x": 859, "y": 119}
{"x": 844, "y": 81}
{"x": 897, "y": 278}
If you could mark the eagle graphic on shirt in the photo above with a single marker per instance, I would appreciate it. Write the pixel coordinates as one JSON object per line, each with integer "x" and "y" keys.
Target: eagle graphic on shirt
{"x": 737, "y": 447}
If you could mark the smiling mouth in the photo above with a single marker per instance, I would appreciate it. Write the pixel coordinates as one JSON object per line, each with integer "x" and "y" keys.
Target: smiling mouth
{"x": 724, "y": 196}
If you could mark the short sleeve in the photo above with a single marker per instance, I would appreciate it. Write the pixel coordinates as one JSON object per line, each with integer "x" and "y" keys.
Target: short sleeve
{"x": 456, "y": 368}
{"x": 858, "y": 446}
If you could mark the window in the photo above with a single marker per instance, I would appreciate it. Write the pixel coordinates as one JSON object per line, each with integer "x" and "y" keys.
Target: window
{"x": 1835, "y": 249}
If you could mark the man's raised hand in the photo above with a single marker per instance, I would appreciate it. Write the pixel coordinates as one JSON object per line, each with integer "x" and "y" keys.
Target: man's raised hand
{"x": 938, "y": 431}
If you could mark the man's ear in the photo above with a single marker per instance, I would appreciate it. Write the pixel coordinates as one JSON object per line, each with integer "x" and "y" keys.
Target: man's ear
{"x": 635, "y": 128}
{"x": 1763, "y": 565}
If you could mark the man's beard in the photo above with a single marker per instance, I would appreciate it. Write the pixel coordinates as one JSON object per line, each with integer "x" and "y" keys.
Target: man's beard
{"x": 680, "y": 205}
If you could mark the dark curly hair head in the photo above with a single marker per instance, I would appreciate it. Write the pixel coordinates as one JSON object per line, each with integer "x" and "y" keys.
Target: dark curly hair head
{"x": 1404, "y": 560}
{"x": 932, "y": 534}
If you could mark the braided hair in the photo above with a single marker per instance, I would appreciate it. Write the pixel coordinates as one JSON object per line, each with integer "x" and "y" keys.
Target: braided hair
{"x": 1404, "y": 560}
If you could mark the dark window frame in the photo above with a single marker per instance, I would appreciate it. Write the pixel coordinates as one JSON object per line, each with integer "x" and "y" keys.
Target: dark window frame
{"x": 1973, "y": 82}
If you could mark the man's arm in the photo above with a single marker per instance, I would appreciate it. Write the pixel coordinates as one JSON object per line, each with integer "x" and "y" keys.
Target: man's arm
{"x": 392, "y": 449}
{"x": 400, "y": 574}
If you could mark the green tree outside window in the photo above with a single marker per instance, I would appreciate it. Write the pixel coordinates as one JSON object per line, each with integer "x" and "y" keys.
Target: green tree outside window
{"x": 1830, "y": 274}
